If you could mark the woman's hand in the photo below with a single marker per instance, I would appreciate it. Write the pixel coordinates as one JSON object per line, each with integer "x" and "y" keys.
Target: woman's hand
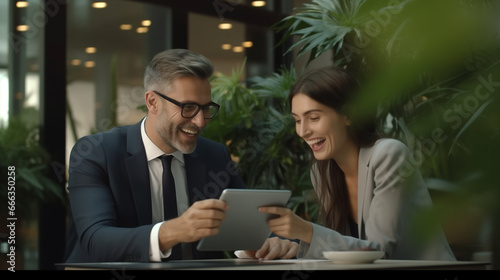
{"x": 288, "y": 224}
{"x": 275, "y": 248}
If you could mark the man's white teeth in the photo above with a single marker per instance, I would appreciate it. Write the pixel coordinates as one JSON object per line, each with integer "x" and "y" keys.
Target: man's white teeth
{"x": 193, "y": 132}
{"x": 314, "y": 141}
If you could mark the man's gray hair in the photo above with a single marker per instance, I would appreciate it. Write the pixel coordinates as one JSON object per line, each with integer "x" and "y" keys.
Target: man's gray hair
{"x": 175, "y": 63}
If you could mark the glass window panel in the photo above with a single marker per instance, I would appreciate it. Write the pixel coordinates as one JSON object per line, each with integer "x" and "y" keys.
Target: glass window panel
{"x": 108, "y": 50}
{"x": 21, "y": 28}
{"x": 20, "y": 59}
{"x": 4, "y": 50}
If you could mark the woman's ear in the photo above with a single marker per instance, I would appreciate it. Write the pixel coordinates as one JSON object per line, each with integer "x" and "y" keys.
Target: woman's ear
{"x": 347, "y": 121}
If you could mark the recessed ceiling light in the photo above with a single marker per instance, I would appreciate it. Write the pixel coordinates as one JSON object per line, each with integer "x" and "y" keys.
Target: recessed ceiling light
{"x": 90, "y": 50}
{"x": 247, "y": 44}
{"x": 89, "y": 64}
{"x": 142, "y": 29}
{"x": 76, "y": 62}
{"x": 238, "y": 49}
{"x": 226, "y": 46}
{"x": 258, "y": 3}
{"x": 99, "y": 5}
{"x": 125, "y": 26}
{"x": 22, "y": 28}
{"x": 225, "y": 26}
{"x": 22, "y": 4}
{"x": 146, "y": 22}
{"x": 34, "y": 67}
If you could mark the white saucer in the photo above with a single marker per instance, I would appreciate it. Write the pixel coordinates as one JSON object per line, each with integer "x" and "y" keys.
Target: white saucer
{"x": 353, "y": 257}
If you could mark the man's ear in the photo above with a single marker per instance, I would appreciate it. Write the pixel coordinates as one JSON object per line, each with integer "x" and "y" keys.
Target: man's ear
{"x": 151, "y": 101}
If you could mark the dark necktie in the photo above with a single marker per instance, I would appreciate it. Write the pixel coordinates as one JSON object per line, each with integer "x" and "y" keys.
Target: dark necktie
{"x": 169, "y": 200}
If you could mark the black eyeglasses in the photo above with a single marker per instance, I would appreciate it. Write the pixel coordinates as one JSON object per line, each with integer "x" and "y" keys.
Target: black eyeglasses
{"x": 191, "y": 109}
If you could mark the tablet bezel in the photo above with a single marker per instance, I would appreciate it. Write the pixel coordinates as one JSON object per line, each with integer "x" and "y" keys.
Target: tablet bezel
{"x": 244, "y": 228}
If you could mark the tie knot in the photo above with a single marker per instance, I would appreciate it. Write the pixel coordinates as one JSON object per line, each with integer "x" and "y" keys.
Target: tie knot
{"x": 166, "y": 160}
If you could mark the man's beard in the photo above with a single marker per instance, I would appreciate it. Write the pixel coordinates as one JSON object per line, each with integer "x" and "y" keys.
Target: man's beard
{"x": 169, "y": 135}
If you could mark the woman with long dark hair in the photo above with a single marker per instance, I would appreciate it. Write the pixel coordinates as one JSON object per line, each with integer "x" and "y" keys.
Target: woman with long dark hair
{"x": 369, "y": 191}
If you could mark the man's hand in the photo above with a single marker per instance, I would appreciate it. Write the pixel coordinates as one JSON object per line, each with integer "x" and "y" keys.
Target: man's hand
{"x": 275, "y": 248}
{"x": 200, "y": 220}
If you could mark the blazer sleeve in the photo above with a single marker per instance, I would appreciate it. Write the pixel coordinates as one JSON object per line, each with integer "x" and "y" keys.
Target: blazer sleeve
{"x": 395, "y": 196}
{"x": 94, "y": 210}
{"x": 326, "y": 239}
{"x": 389, "y": 198}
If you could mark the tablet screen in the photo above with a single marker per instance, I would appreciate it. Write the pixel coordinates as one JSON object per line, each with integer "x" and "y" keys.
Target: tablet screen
{"x": 244, "y": 228}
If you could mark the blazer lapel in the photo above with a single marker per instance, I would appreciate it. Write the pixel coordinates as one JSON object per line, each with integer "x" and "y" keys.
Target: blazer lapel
{"x": 138, "y": 174}
{"x": 363, "y": 168}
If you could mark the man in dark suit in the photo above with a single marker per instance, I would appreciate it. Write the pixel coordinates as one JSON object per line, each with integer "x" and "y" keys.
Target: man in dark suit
{"x": 125, "y": 205}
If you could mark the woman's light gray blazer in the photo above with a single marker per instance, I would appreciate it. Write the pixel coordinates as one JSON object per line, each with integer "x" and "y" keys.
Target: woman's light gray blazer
{"x": 391, "y": 193}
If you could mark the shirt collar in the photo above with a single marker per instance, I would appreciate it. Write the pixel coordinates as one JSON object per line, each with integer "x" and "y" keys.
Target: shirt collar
{"x": 152, "y": 151}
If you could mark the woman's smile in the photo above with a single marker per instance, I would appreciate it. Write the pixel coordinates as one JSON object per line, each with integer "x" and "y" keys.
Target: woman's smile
{"x": 316, "y": 143}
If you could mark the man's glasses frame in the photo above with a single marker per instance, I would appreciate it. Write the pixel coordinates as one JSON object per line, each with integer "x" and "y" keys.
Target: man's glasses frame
{"x": 211, "y": 108}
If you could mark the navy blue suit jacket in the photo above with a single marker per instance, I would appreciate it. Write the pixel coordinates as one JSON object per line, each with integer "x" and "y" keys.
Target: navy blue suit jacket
{"x": 109, "y": 192}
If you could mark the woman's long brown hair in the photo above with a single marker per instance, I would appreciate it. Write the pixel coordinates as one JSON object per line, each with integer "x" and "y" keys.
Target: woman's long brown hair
{"x": 335, "y": 88}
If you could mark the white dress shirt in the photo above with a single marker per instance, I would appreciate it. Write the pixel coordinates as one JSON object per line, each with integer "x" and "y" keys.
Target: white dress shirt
{"x": 155, "y": 176}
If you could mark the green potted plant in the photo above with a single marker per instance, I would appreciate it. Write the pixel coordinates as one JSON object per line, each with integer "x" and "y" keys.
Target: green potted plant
{"x": 428, "y": 71}
{"x": 29, "y": 165}
{"x": 26, "y": 185}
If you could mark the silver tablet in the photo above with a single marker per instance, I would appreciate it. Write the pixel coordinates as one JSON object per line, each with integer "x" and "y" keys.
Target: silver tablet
{"x": 244, "y": 228}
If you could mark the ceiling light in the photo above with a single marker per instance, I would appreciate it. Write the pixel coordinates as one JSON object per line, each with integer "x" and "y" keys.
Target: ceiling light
{"x": 76, "y": 62}
{"x": 22, "y": 28}
{"x": 89, "y": 64}
{"x": 90, "y": 50}
{"x": 146, "y": 22}
{"x": 226, "y": 46}
{"x": 258, "y": 3}
{"x": 247, "y": 44}
{"x": 238, "y": 49}
{"x": 125, "y": 26}
{"x": 99, "y": 5}
{"x": 142, "y": 29}
{"x": 34, "y": 67}
{"x": 225, "y": 26}
{"x": 22, "y": 4}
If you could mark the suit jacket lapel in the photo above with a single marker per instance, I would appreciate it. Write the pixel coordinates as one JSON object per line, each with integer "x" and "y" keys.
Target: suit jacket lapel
{"x": 138, "y": 174}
